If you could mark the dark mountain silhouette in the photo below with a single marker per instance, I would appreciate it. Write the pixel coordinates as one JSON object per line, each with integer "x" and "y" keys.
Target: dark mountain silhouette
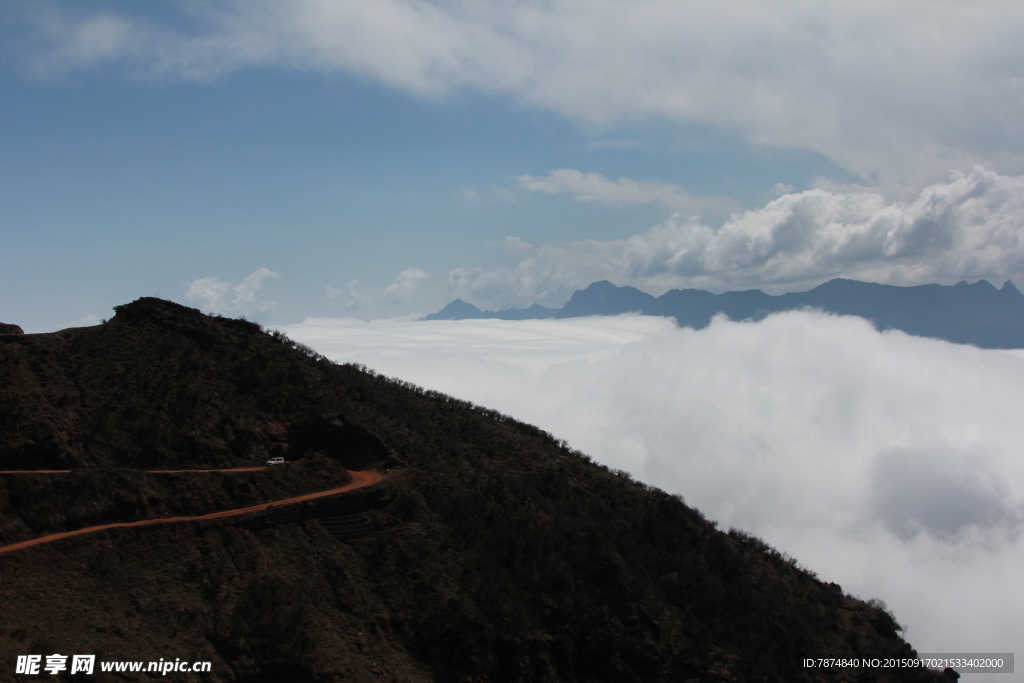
{"x": 977, "y": 314}
{"x": 493, "y": 552}
{"x": 604, "y": 296}
{"x": 460, "y": 310}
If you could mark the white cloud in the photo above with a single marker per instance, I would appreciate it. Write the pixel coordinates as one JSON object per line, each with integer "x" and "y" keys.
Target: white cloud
{"x": 74, "y": 42}
{"x": 354, "y": 295}
{"x": 901, "y": 90}
{"x": 336, "y": 292}
{"x": 218, "y": 296}
{"x": 594, "y": 187}
{"x": 405, "y": 284}
{"x": 970, "y": 227}
{"x": 405, "y": 290}
{"x": 887, "y": 463}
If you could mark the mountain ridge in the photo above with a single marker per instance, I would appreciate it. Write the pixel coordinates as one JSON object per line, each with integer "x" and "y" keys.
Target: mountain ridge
{"x": 499, "y": 554}
{"x": 977, "y": 314}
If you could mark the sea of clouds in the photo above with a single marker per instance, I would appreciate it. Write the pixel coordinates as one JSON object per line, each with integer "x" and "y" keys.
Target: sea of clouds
{"x": 887, "y": 463}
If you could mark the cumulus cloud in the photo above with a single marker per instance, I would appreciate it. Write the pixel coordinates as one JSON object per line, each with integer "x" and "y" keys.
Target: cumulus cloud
{"x": 594, "y": 187}
{"x": 405, "y": 284}
{"x": 889, "y": 90}
{"x": 887, "y": 463}
{"x": 970, "y": 227}
{"x": 218, "y": 296}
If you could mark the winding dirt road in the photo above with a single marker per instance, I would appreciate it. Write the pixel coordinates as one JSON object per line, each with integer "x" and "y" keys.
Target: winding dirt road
{"x": 360, "y": 479}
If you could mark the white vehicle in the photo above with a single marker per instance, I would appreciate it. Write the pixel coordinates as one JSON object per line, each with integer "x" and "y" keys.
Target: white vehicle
{"x": 275, "y": 461}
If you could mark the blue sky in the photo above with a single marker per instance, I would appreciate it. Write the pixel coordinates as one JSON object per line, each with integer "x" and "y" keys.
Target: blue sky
{"x": 314, "y": 158}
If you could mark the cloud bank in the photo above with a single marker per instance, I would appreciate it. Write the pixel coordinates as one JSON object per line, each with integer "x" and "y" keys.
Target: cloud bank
{"x": 889, "y": 90}
{"x": 971, "y": 227}
{"x": 887, "y": 463}
{"x": 213, "y": 295}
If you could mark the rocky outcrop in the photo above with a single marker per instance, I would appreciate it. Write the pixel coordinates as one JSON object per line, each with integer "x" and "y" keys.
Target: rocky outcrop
{"x": 6, "y": 329}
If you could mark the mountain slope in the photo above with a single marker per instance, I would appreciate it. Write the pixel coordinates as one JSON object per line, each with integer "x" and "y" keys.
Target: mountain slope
{"x": 493, "y": 553}
{"x": 976, "y": 314}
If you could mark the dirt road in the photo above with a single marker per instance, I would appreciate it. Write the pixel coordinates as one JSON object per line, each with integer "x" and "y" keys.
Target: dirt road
{"x": 360, "y": 479}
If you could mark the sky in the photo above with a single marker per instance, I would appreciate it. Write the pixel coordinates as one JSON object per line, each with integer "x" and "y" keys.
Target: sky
{"x": 317, "y": 164}
{"x": 298, "y": 158}
{"x": 887, "y": 463}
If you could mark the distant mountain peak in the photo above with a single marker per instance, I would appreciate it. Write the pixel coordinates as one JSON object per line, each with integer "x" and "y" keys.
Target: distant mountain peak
{"x": 1009, "y": 289}
{"x": 604, "y": 298}
{"x": 964, "y": 313}
{"x": 460, "y": 310}
{"x": 456, "y": 310}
